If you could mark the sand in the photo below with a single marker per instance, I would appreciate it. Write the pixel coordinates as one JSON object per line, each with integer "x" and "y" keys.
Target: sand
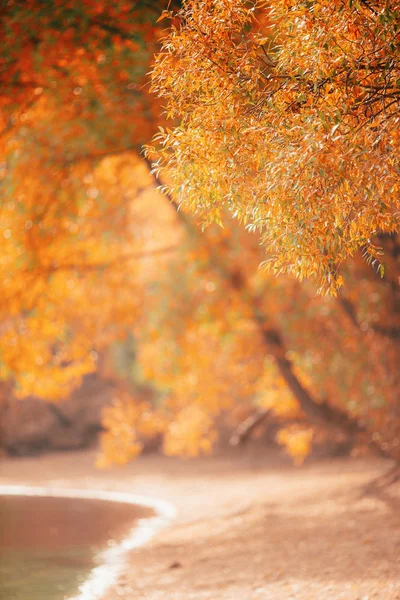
{"x": 249, "y": 525}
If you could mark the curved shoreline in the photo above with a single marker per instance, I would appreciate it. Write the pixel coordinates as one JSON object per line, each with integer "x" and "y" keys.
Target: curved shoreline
{"x": 113, "y": 559}
{"x": 248, "y": 527}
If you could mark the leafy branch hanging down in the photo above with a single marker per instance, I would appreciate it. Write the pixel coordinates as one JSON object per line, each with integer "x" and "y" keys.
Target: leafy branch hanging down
{"x": 288, "y": 115}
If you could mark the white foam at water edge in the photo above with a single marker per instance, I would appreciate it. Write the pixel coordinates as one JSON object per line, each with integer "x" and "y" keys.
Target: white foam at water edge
{"x": 112, "y": 559}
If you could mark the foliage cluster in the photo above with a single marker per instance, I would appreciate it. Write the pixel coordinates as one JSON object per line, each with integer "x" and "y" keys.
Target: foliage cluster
{"x": 288, "y": 116}
{"x": 71, "y": 77}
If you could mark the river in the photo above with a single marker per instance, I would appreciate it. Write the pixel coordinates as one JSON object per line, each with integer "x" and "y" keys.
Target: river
{"x": 50, "y": 545}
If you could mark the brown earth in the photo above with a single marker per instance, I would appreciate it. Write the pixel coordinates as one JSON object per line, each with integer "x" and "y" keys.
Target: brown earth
{"x": 249, "y": 526}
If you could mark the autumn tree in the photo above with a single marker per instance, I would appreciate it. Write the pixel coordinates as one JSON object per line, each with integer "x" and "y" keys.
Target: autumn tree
{"x": 74, "y": 113}
{"x": 221, "y": 337}
{"x": 273, "y": 130}
{"x": 91, "y": 251}
{"x": 288, "y": 116}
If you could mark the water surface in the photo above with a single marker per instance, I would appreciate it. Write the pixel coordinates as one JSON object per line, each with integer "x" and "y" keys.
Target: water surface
{"x": 49, "y": 545}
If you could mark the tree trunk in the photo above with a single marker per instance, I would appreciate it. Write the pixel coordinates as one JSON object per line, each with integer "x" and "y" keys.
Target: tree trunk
{"x": 316, "y": 412}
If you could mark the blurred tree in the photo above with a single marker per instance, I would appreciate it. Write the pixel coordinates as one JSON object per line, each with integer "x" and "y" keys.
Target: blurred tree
{"x": 205, "y": 343}
{"x": 74, "y": 113}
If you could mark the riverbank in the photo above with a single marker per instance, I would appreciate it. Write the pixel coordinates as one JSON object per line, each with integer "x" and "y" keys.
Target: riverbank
{"x": 248, "y": 527}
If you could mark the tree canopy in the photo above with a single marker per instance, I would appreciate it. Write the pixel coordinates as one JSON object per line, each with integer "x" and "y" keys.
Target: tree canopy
{"x": 72, "y": 96}
{"x": 288, "y": 116}
{"x": 280, "y": 116}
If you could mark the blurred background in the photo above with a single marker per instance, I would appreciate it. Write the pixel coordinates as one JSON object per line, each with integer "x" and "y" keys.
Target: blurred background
{"x": 124, "y": 324}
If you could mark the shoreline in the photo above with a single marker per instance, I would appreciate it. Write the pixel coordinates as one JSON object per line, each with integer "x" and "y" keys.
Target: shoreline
{"x": 112, "y": 560}
{"x": 249, "y": 526}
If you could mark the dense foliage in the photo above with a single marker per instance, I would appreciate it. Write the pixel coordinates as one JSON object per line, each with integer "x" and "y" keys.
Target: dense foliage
{"x": 71, "y": 92}
{"x": 284, "y": 119}
{"x": 288, "y": 115}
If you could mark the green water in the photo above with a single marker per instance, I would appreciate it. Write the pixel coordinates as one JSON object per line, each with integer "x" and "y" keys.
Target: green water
{"x": 48, "y": 546}
{"x": 42, "y": 576}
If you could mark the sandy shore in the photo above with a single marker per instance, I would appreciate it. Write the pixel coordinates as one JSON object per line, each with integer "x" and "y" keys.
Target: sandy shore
{"x": 248, "y": 526}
